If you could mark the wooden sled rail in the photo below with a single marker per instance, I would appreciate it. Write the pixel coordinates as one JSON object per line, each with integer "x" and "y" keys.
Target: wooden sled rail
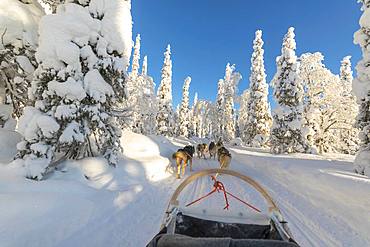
{"x": 272, "y": 207}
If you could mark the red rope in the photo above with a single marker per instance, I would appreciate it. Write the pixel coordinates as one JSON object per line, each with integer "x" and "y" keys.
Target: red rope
{"x": 197, "y": 200}
{"x": 246, "y": 203}
{"x": 219, "y": 186}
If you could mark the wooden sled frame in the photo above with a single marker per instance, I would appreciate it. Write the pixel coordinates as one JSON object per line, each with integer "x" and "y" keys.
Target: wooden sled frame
{"x": 270, "y": 202}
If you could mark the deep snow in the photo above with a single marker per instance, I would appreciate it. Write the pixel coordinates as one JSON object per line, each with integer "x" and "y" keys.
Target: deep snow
{"x": 88, "y": 203}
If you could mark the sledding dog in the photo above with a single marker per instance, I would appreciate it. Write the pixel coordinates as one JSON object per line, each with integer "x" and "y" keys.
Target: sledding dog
{"x": 224, "y": 157}
{"x": 182, "y": 156}
{"x": 212, "y": 150}
{"x": 219, "y": 144}
{"x": 201, "y": 150}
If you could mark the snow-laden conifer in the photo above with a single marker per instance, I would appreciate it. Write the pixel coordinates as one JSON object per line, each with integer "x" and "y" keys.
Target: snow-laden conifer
{"x": 83, "y": 52}
{"x": 136, "y": 58}
{"x": 286, "y": 135}
{"x": 231, "y": 81}
{"x": 183, "y": 118}
{"x": 347, "y": 112}
{"x": 243, "y": 112}
{"x": 361, "y": 89}
{"x": 203, "y": 118}
{"x": 321, "y": 126}
{"x": 218, "y": 124}
{"x": 223, "y": 126}
{"x": 256, "y": 131}
{"x": 148, "y": 101}
{"x": 192, "y": 117}
{"x": 228, "y": 111}
{"x": 134, "y": 88}
{"x": 165, "y": 121}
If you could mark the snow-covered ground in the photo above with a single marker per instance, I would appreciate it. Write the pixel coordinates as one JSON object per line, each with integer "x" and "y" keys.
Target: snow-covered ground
{"x": 88, "y": 203}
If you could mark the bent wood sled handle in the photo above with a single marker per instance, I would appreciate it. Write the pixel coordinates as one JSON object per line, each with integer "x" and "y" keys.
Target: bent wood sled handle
{"x": 271, "y": 204}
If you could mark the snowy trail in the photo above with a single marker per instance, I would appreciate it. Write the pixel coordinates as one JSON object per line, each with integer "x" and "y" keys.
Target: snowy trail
{"x": 322, "y": 209}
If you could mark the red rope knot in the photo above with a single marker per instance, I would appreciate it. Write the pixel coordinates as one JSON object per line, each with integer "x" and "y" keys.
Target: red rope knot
{"x": 219, "y": 187}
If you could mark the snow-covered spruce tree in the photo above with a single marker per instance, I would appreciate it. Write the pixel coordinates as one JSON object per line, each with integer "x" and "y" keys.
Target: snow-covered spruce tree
{"x": 202, "y": 118}
{"x": 205, "y": 124}
{"x": 193, "y": 116}
{"x": 134, "y": 88}
{"x": 321, "y": 126}
{"x": 141, "y": 103}
{"x": 259, "y": 120}
{"x": 224, "y": 126}
{"x": 231, "y": 80}
{"x": 136, "y": 57}
{"x": 148, "y": 101}
{"x": 219, "y": 114}
{"x": 286, "y": 135}
{"x": 83, "y": 51}
{"x": 197, "y": 119}
{"x": 361, "y": 88}
{"x": 183, "y": 119}
{"x": 175, "y": 118}
{"x": 165, "y": 121}
{"x": 347, "y": 112}
{"x": 228, "y": 114}
{"x": 243, "y": 112}
{"x": 208, "y": 116}
{"x": 18, "y": 42}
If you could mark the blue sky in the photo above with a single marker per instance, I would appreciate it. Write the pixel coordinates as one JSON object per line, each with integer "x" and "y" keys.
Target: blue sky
{"x": 206, "y": 34}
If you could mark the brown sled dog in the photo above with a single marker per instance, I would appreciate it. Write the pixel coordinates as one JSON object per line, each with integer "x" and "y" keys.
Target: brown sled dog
{"x": 182, "y": 156}
{"x": 201, "y": 150}
{"x": 224, "y": 158}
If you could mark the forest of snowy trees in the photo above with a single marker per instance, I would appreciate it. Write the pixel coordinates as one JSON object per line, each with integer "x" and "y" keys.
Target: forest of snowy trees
{"x": 69, "y": 85}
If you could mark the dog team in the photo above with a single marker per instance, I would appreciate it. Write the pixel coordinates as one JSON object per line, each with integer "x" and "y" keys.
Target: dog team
{"x": 185, "y": 155}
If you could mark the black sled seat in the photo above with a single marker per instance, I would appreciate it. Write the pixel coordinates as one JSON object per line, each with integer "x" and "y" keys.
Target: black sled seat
{"x": 175, "y": 240}
{"x": 203, "y": 228}
{"x": 194, "y": 232}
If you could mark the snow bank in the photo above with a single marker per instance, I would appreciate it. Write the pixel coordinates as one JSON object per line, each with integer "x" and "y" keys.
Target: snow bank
{"x": 362, "y": 163}
{"x": 19, "y": 21}
{"x": 154, "y": 154}
{"x": 236, "y": 142}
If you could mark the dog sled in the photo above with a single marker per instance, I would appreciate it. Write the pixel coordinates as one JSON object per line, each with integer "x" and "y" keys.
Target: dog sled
{"x": 188, "y": 226}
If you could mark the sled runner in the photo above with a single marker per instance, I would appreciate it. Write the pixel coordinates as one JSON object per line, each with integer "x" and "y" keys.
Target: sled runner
{"x": 189, "y": 226}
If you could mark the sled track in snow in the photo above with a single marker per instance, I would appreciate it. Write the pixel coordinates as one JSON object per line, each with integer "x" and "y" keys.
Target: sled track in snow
{"x": 303, "y": 217}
